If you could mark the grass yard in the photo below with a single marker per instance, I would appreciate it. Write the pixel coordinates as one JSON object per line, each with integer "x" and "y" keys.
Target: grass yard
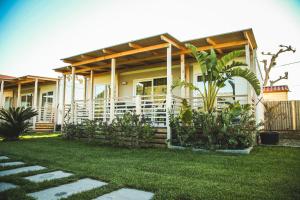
{"x": 268, "y": 173}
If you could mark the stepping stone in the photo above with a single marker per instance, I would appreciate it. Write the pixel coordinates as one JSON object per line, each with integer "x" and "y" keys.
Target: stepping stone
{"x": 21, "y": 170}
{"x": 7, "y": 164}
{"x": 67, "y": 190}
{"x": 4, "y": 157}
{"x": 6, "y": 186}
{"x": 48, "y": 176}
{"x": 127, "y": 194}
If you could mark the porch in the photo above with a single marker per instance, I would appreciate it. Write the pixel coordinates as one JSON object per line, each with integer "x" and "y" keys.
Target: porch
{"x": 37, "y": 92}
{"x": 138, "y": 76}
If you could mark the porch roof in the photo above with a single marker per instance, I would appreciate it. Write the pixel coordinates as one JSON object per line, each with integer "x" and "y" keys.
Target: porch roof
{"x": 151, "y": 50}
{"x": 28, "y": 80}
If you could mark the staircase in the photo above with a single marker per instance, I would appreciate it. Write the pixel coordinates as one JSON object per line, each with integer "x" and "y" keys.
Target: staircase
{"x": 44, "y": 127}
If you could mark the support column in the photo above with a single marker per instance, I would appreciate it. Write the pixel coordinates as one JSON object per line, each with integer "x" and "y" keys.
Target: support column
{"x": 91, "y": 98}
{"x": 84, "y": 90}
{"x": 169, "y": 94}
{"x": 187, "y": 79}
{"x": 112, "y": 89}
{"x": 2, "y": 94}
{"x": 73, "y": 96}
{"x": 56, "y": 104}
{"x": 19, "y": 95}
{"x": 35, "y": 100}
{"x": 182, "y": 74}
{"x": 63, "y": 102}
{"x": 248, "y": 62}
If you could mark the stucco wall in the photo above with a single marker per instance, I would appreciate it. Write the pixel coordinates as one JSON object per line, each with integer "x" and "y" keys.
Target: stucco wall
{"x": 276, "y": 96}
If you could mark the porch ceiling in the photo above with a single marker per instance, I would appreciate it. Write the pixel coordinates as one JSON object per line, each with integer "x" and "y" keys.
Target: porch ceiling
{"x": 28, "y": 80}
{"x": 152, "y": 50}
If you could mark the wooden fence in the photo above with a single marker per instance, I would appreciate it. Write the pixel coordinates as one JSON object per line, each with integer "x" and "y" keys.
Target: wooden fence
{"x": 290, "y": 117}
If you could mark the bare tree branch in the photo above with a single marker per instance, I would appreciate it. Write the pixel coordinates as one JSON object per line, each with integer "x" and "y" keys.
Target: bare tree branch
{"x": 286, "y": 76}
{"x": 272, "y": 63}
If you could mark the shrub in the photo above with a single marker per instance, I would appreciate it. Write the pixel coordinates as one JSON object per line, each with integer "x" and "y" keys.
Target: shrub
{"x": 15, "y": 121}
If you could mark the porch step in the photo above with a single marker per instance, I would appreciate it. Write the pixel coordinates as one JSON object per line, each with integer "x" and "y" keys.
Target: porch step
{"x": 44, "y": 127}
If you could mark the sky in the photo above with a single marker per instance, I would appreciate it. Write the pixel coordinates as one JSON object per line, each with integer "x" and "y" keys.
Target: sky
{"x": 36, "y": 34}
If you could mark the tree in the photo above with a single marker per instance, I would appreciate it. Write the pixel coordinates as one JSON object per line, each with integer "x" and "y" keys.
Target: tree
{"x": 15, "y": 121}
{"x": 268, "y": 66}
{"x": 215, "y": 72}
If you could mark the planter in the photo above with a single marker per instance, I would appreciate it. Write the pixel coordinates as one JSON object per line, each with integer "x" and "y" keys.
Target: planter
{"x": 270, "y": 137}
{"x": 229, "y": 151}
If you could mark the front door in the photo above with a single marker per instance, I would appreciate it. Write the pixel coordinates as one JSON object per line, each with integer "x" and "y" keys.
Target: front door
{"x": 46, "y": 109}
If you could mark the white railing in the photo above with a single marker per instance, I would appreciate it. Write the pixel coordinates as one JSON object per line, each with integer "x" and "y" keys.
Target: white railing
{"x": 152, "y": 108}
{"x": 46, "y": 113}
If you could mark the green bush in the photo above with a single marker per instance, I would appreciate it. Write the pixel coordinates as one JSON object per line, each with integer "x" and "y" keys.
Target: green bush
{"x": 15, "y": 121}
{"x": 130, "y": 130}
{"x": 234, "y": 127}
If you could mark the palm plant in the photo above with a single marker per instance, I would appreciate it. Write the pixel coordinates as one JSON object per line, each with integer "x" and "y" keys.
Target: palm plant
{"x": 15, "y": 121}
{"x": 215, "y": 72}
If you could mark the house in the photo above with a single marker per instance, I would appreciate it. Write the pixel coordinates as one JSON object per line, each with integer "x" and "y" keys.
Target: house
{"x": 138, "y": 76}
{"x": 276, "y": 93}
{"x": 32, "y": 91}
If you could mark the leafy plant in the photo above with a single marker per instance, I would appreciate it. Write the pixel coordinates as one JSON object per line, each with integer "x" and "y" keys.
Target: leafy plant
{"x": 271, "y": 113}
{"x": 215, "y": 72}
{"x": 15, "y": 121}
{"x": 90, "y": 128}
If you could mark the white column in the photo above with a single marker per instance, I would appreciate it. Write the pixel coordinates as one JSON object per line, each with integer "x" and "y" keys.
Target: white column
{"x": 73, "y": 95}
{"x": 248, "y": 62}
{"x": 138, "y": 104}
{"x": 91, "y": 98}
{"x": 19, "y": 95}
{"x": 35, "y": 99}
{"x": 63, "y": 102}
{"x": 182, "y": 73}
{"x": 56, "y": 104}
{"x": 112, "y": 89}
{"x": 84, "y": 89}
{"x": 2, "y": 94}
{"x": 169, "y": 94}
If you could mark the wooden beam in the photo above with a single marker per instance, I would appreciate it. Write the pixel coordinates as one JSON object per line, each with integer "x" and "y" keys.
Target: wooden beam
{"x": 172, "y": 42}
{"x": 125, "y": 53}
{"x": 212, "y": 42}
{"x": 137, "y": 46}
{"x": 248, "y": 38}
{"x": 86, "y": 57}
{"x": 106, "y": 51}
{"x": 204, "y": 48}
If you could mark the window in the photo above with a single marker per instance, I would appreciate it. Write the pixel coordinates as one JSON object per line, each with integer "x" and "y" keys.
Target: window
{"x": 153, "y": 86}
{"x": 47, "y": 98}
{"x": 26, "y": 100}
{"x": 228, "y": 89}
{"x": 101, "y": 91}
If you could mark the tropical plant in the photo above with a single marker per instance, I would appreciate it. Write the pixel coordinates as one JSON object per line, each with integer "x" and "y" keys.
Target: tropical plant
{"x": 215, "y": 72}
{"x": 271, "y": 113}
{"x": 15, "y": 121}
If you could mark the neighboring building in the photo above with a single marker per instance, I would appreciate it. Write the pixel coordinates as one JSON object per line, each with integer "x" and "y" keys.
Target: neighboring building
{"x": 32, "y": 91}
{"x": 276, "y": 93}
{"x": 138, "y": 76}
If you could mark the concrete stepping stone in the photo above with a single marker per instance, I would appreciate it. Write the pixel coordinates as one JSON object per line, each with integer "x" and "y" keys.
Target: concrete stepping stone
{"x": 48, "y": 176}
{"x": 8, "y": 164}
{"x": 4, "y": 157}
{"x": 67, "y": 190}
{"x": 6, "y": 186}
{"x": 127, "y": 194}
{"x": 21, "y": 170}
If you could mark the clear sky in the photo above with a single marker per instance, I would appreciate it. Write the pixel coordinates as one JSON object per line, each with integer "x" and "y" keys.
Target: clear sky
{"x": 36, "y": 34}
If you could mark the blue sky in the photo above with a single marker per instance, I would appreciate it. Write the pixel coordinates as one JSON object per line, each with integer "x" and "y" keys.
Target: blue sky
{"x": 36, "y": 34}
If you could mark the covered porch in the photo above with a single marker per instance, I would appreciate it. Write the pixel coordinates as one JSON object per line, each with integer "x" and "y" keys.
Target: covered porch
{"x": 37, "y": 92}
{"x": 138, "y": 76}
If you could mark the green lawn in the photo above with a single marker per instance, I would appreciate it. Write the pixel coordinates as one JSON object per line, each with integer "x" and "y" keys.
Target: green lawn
{"x": 267, "y": 173}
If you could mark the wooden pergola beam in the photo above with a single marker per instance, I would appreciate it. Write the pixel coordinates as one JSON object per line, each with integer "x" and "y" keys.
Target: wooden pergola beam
{"x": 172, "y": 42}
{"x": 212, "y": 42}
{"x": 137, "y": 46}
{"x": 121, "y": 54}
{"x": 86, "y": 57}
{"x": 107, "y": 51}
{"x": 204, "y": 48}
{"x": 246, "y": 35}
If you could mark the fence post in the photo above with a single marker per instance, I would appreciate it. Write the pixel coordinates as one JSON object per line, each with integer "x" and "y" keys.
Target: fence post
{"x": 293, "y": 115}
{"x": 138, "y": 105}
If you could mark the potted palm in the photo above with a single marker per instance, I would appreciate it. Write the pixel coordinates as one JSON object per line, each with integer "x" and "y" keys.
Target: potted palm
{"x": 269, "y": 136}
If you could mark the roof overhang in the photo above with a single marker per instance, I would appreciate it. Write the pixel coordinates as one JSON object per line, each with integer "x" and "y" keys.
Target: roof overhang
{"x": 151, "y": 50}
